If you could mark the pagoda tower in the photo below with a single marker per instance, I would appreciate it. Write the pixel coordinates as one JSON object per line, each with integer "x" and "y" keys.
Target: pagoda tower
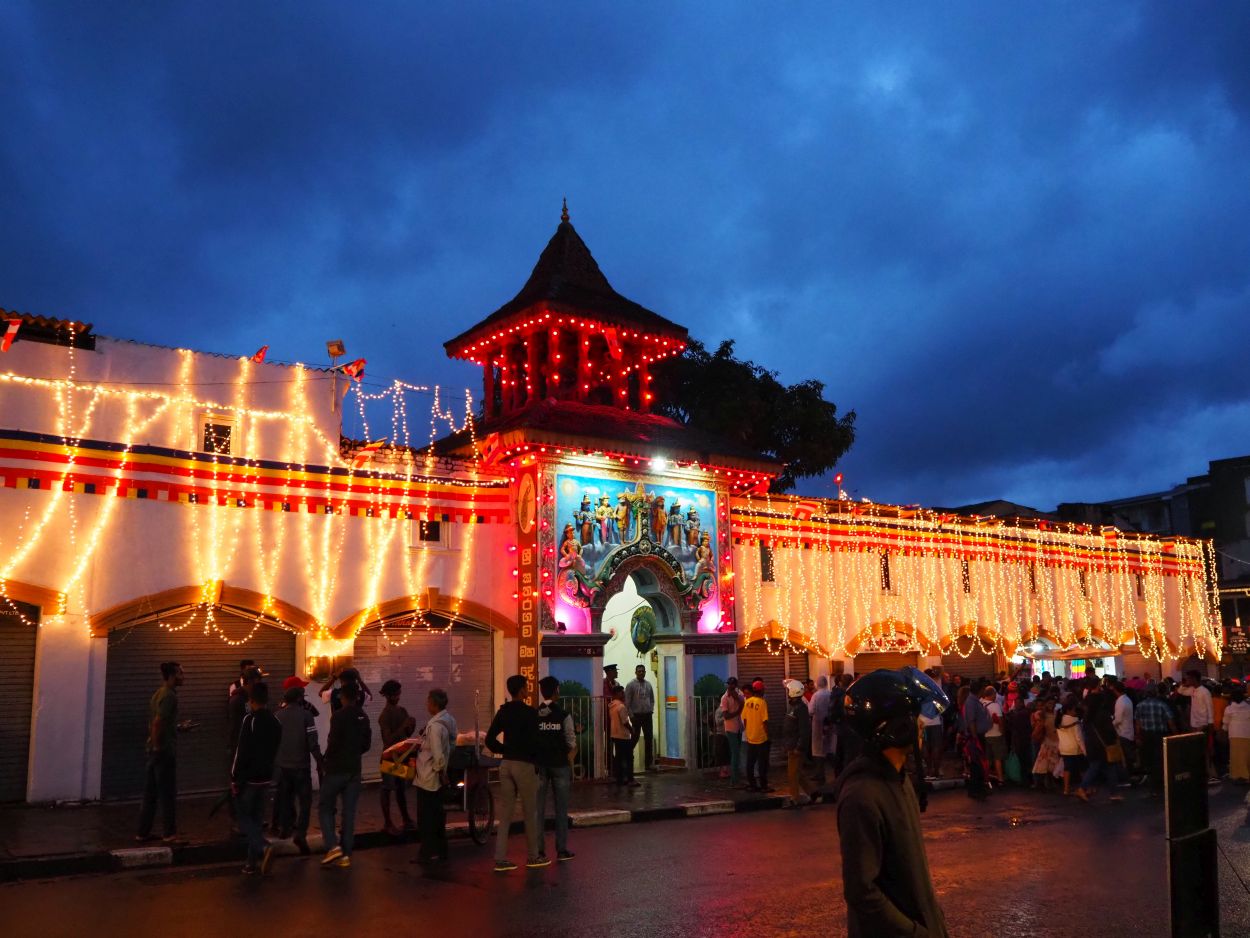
{"x": 567, "y": 336}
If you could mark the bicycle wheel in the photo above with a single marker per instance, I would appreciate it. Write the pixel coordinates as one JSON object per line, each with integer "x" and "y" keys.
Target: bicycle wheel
{"x": 481, "y": 810}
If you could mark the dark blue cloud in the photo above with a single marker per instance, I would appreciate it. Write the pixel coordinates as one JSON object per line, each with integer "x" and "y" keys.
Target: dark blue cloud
{"x": 1013, "y": 240}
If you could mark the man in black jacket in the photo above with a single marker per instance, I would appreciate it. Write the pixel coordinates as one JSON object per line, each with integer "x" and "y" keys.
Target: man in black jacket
{"x": 518, "y": 773}
{"x": 557, "y": 744}
{"x": 349, "y": 738}
{"x": 885, "y": 873}
{"x": 251, "y": 773}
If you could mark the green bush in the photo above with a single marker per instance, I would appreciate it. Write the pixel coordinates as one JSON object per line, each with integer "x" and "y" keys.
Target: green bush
{"x": 707, "y": 686}
{"x": 574, "y": 689}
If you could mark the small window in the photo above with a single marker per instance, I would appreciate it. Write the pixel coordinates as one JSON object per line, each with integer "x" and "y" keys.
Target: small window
{"x": 885, "y": 570}
{"x": 768, "y": 573}
{"x": 1141, "y": 586}
{"x": 965, "y": 575}
{"x": 1083, "y": 578}
{"x": 216, "y": 434}
{"x": 428, "y": 534}
{"x": 1033, "y": 577}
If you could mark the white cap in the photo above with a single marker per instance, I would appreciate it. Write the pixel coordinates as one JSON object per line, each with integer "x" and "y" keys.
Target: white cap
{"x": 794, "y": 688}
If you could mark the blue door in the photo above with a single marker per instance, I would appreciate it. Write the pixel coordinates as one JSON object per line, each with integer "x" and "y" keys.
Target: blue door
{"x": 672, "y": 724}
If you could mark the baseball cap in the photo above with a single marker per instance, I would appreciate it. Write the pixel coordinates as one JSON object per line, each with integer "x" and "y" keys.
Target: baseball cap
{"x": 757, "y": 686}
{"x": 293, "y": 681}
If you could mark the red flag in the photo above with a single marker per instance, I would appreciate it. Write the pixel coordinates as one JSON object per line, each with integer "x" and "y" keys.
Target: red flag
{"x": 614, "y": 345}
{"x": 9, "y": 334}
{"x": 803, "y": 511}
{"x": 260, "y": 354}
{"x": 365, "y": 453}
{"x": 355, "y": 370}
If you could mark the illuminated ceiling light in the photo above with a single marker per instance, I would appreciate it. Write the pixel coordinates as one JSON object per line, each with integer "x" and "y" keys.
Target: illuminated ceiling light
{"x": 659, "y": 464}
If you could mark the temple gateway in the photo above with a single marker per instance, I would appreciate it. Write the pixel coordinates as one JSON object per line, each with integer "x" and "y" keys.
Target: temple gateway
{"x": 167, "y": 504}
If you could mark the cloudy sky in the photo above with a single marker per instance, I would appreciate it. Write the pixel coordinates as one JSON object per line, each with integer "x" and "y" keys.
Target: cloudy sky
{"x": 1015, "y": 241}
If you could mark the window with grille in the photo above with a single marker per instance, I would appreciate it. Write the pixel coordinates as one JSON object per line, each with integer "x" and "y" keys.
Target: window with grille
{"x": 216, "y": 434}
{"x": 885, "y": 571}
{"x": 965, "y": 575}
{"x": 428, "y": 534}
{"x": 768, "y": 573}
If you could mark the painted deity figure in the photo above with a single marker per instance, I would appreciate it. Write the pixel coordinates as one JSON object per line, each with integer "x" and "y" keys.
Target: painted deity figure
{"x": 584, "y": 518}
{"x": 659, "y": 519}
{"x": 606, "y": 519}
{"x": 674, "y": 524}
{"x": 571, "y": 550}
{"x": 692, "y": 527}
{"x": 622, "y": 519}
{"x": 704, "y": 562}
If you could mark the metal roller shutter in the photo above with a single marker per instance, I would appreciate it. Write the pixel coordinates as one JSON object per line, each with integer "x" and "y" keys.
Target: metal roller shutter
{"x": 17, "y": 651}
{"x": 978, "y": 664}
{"x": 774, "y": 667}
{"x": 135, "y": 654}
{"x": 459, "y": 660}
{"x": 876, "y": 660}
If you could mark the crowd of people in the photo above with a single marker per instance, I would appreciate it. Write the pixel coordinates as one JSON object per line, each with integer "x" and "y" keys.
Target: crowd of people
{"x": 1076, "y": 735}
{"x": 1071, "y": 735}
{"x": 275, "y": 750}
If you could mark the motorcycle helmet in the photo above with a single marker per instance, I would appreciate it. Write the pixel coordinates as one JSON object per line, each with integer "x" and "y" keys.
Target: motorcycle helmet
{"x": 882, "y": 706}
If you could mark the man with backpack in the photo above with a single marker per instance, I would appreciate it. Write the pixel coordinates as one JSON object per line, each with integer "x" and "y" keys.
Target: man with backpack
{"x": 557, "y": 745}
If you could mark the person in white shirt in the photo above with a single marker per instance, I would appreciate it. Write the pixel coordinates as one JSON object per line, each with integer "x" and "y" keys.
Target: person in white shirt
{"x": 1237, "y": 726}
{"x": 1201, "y": 714}
{"x": 1122, "y": 719}
{"x": 640, "y": 699}
{"x": 995, "y": 741}
{"x": 731, "y": 710}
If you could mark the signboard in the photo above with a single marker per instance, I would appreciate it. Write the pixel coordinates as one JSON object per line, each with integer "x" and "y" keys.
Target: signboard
{"x": 1185, "y": 784}
{"x": 1193, "y": 885}
{"x": 528, "y": 579}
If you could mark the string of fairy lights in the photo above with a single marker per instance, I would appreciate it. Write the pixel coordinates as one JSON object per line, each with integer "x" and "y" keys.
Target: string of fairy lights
{"x": 959, "y": 586}
{"x": 218, "y": 531}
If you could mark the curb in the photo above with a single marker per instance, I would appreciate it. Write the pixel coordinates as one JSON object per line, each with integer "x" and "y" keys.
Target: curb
{"x": 201, "y": 854}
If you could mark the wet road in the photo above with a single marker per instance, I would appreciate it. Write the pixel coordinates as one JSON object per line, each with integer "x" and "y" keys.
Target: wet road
{"x": 1057, "y": 869}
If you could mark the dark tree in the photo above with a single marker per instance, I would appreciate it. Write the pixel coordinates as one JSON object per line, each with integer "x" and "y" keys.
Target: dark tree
{"x": 744, "y": 403}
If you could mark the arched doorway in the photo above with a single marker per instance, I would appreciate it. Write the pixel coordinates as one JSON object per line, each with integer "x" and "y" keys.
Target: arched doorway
{"x": 423, "y": 653}
{"x": 642, "y": 589}
{"x": 136, "y": 649}
{"x": 19, "y": 626}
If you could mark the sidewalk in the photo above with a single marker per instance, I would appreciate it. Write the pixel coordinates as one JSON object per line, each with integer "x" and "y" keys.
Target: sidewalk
{"x": 98, "y": 837}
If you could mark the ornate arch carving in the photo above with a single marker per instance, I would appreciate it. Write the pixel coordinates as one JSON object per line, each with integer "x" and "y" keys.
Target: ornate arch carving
{"x": 661, "y": 577}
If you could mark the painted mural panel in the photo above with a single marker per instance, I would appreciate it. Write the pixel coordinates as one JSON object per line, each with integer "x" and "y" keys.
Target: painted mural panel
{"x": 597, "y": 514}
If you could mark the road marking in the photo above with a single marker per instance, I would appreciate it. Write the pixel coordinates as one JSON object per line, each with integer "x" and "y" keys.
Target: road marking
{"x": 699, "y": 808}
{"x": 599, "y": 818}
{"x": 133, "y": 858}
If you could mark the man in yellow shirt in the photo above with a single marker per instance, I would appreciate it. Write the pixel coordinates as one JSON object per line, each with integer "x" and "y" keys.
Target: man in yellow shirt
{"x": 755, "y": 734}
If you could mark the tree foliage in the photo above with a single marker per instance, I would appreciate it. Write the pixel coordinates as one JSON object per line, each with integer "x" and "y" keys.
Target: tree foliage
{"x": 744, "y": 403}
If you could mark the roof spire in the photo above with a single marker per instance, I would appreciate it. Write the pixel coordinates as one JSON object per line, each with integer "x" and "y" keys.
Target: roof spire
{"x": 564, "y": 210}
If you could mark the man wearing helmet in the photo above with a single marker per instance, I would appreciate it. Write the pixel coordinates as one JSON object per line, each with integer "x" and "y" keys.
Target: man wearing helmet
{"x": 885, "y": 873}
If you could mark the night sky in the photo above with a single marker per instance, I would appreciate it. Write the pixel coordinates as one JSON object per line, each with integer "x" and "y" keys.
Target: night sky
{"x": 1015, "y": 241}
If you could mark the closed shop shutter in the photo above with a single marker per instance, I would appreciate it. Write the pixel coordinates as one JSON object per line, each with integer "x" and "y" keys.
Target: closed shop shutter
{"x": 135, "y": 654}
{"x": 867, "y": 663}
{"x": 17, "y": 648}
{"x": 774, "y": 667}
{"x": 977, "y": 664}
{"x": 459, "y": 660}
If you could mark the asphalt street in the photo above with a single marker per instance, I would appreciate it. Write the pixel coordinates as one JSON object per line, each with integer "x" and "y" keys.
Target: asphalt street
{"x": 1024, "y": 864}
